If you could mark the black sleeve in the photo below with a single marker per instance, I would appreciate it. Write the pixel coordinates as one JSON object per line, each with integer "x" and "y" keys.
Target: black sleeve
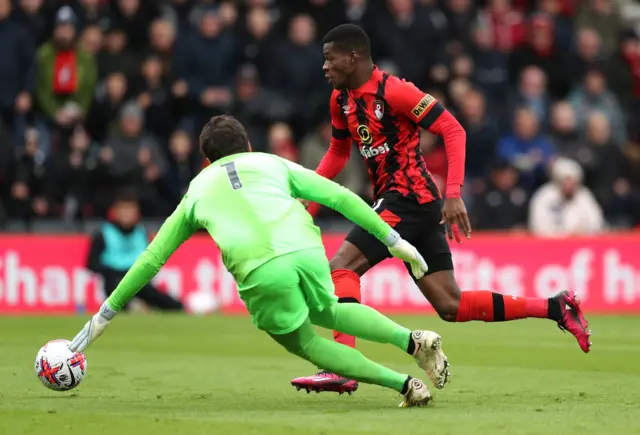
{"x": 95, "y": 251}
{"x": 433, "y": 115}
{"x": 340, "y": 134}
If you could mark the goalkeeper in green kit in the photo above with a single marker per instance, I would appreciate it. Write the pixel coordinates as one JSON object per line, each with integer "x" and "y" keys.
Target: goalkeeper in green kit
{"x": 269, "y": 243}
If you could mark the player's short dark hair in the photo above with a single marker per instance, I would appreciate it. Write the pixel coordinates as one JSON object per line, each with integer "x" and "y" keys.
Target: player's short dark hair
{"x": 348, "y": 38}
{"x": 222, "y": 136}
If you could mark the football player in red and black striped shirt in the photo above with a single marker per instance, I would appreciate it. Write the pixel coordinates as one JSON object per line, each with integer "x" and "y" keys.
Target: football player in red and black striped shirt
{"x": 383, "y": 115}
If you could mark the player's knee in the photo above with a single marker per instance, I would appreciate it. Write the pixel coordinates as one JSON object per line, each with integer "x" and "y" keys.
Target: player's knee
{"x": 339, "y": 262}
{"x": 357, "y": 264}
{"x": 297, "y": 349}
{"x": 448, "y": 312}
{"x": 350, "y": 258}
{"x": 447, "y": 305}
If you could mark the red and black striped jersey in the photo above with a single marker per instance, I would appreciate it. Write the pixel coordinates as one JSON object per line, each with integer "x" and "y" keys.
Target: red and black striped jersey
{"x": 384, "y": 117}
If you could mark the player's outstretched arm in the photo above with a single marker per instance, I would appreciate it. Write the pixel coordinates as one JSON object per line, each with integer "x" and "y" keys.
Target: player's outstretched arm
{"x": 173, "y": 233}
{"x": 307, "y": 184}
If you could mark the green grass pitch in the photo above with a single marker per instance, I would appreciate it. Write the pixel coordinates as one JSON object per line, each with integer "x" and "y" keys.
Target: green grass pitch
{"x": 218, "y": 375}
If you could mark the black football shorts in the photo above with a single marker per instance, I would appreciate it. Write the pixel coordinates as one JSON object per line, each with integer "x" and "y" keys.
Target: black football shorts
{"x": 419, "y": 224}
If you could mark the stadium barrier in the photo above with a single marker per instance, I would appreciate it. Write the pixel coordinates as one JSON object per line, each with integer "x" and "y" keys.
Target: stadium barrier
{"x": 46, "y": 274}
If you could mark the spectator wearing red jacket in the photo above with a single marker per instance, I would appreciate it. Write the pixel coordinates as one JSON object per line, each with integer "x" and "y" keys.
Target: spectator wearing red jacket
{"x": 506, "y": 23}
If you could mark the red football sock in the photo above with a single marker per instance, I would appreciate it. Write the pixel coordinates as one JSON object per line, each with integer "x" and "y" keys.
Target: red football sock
{"x": 347, "y": 285}
{"x": 488, "y": 306}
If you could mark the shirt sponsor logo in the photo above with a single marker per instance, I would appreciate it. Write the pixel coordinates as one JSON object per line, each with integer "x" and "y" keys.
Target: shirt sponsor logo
{"x": 365, "y": 134}
{"x": 371, "y": 152}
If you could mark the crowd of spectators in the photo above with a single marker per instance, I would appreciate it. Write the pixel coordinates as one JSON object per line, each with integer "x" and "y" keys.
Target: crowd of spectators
{"x": 97, "y": 95}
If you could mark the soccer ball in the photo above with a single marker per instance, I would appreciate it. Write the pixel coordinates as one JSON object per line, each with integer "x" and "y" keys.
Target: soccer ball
{"x": 201, "y": 303}
{"x": 58, "y": 368}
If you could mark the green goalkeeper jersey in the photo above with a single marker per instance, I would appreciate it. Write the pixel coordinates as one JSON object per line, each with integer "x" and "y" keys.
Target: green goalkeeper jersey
{"x": 248, "y": 204}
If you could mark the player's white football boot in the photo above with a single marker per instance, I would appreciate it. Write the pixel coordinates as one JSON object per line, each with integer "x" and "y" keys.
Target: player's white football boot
{"x": 430, "y": 357}
{"x": 417, "y": 395}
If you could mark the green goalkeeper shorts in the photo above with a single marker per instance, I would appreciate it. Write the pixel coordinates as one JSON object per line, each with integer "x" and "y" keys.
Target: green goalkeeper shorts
{"x": 280, "y": 293}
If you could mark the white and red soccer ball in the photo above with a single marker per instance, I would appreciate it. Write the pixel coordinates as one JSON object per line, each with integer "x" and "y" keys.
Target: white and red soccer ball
{"x": 58, "y": 368}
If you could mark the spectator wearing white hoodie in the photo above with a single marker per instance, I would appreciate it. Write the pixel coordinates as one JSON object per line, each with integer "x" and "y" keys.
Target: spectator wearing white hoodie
{"x": 564, "y": 206}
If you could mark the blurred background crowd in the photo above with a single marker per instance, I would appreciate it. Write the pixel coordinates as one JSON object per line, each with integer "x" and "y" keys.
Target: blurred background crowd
{"x": 99, "y": 95}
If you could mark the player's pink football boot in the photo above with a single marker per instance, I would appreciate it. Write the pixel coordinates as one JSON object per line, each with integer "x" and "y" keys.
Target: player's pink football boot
{"x": 324, "y": 381}
{"x": 573, "y": 320}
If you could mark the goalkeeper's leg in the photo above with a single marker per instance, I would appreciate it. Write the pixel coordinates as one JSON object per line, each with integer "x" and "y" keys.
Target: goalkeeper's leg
{"x": 364, "y": 322}
{"x": 348, "y": 362}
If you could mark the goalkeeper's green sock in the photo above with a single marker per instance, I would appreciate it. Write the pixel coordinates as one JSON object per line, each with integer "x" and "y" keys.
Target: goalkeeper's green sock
{"x": 337, "y": 358}
{"x": 364, "y": 322}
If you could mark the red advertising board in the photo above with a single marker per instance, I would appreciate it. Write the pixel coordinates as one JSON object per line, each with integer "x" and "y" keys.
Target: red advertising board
{"x": 46, "y": 274}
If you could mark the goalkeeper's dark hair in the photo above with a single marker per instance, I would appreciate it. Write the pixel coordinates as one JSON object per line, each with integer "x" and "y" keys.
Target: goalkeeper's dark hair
{"x": 222, "y": 136}
{"x": 348, "y": 38}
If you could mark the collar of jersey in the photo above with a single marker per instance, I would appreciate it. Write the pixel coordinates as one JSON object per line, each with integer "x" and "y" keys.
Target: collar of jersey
{"x": 228, "y": 158}
{"x": 371, "y": 84}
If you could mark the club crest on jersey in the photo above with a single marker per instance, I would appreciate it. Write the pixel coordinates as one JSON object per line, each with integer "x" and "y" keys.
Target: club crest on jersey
{"x": 378, "y": 109}
{"x": 365, "y": 134}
